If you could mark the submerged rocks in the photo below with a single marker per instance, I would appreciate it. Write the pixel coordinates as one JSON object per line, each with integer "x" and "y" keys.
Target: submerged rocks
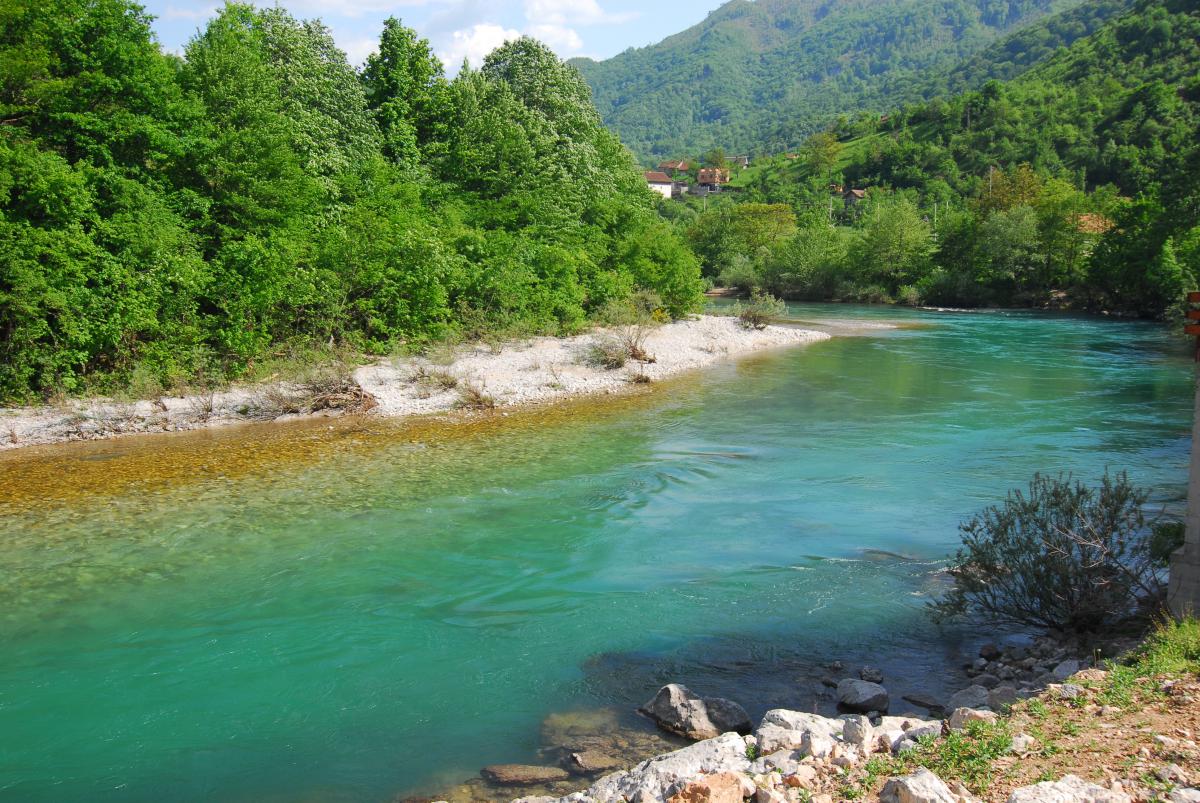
{"x": 862, "y": 696}
{"x": 1071, "y": 789}
{"x": 592, "y": 762}
{"x": 523, "y": 774}
{"x": 676, "y": 709}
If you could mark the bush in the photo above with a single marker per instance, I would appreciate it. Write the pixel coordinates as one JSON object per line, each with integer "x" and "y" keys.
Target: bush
{"x": 762, "y": 309}
{"x": 607, "y": 352}
{"x": 1063, "y": 556}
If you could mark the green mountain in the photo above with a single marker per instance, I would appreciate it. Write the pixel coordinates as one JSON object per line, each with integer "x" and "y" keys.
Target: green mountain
{"x": 1077, "y": 182}
{"x": 760, "y": 76}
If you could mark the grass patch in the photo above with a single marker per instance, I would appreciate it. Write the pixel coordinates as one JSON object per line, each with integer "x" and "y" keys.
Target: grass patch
{"x": 966, "y": 755}
{"x": 1172, "y": 649}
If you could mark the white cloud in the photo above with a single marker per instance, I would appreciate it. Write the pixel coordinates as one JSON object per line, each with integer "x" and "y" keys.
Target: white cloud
{"x": 357, "y": 50}
{"x": 474, "y": 43}
{"x": 565, "y": 12}
{"x": 176, "y": 13}
{"x": 561, "y": 39}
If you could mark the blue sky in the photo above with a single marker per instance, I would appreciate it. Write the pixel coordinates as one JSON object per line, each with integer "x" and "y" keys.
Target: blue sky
{"x": 468, "y": 28}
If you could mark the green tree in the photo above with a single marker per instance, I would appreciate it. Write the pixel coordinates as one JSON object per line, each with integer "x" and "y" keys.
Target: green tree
{"x": 895, "y": 243}
{"x": 406, "y": 89}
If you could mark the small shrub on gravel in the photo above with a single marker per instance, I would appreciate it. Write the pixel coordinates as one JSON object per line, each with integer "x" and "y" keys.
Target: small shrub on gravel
{"x": 472, "y": 397}
{"x": 1063, "y": 556}
{"x": 760, "y": 311}
{"x": 607, "y": 352}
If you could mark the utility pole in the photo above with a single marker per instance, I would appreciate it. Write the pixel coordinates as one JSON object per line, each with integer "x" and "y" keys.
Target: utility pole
{"x": 1183, "y": 591}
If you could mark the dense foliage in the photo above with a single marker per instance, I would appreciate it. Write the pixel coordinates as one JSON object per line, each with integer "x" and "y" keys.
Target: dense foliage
{"x": 1076, "y": 184}
{"x": 164, "y": 218}
{"x": 760, "y": 76}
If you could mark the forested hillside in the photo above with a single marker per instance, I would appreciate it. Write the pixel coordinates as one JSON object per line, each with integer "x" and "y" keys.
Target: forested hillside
{"x": 164, "y": 219}
{"x": 1077, "y": 183}
{"x": 760, "y": 76}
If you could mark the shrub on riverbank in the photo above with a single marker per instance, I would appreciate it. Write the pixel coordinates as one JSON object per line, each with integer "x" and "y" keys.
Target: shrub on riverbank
{"x": 1062, "y": 556}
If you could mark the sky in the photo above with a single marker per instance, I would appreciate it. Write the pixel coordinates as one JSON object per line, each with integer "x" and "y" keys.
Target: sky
{"x": 468, "y": 29}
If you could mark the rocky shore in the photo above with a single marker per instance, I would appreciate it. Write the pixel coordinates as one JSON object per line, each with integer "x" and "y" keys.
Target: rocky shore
{"x": 470, "y": 377}
{"x": 868, "y": 752}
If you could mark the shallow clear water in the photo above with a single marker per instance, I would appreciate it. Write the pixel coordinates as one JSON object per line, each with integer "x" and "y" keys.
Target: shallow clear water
{"x": 363, "y": 610}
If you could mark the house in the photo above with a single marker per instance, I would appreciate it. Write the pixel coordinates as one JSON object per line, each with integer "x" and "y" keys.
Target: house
{"x": 738, "y": 161}
{"x": 674, "y": 167}
{"x": 661, "y": 183}
{"x": 713, "y": 177}
{"x": 851, "y": 196}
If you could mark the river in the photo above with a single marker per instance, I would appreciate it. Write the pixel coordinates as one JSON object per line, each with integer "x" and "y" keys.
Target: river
{"x": 359, "y": 610}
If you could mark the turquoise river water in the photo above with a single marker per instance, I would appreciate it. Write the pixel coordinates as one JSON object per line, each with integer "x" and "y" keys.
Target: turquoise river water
{"x": 365, "y": 610}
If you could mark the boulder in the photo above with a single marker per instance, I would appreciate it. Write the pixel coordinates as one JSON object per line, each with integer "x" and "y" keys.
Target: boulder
{"x": 923, "y": 701}
{"x": 1184, "y": 796}
{"x": 962, "y": 716}
{"x": 987, "y": 680}
{"x": 782, "y": 729}
{"x": 652, "y": 781}
{"x": 989, "y": 652}
{"x": 862, "y": 696}
{"x": 1002, "y": 696}
{"x": 912, "y": 736}
{"x": 1070, "y": 789}
{"x": 920, "y": 787}
{"x": 677, "y": 710}
{"x": 871, "y": 674}
{"x": 858, "y": 733}
{"x": 764, "y": 795}
{"x": 523, "y": 774}
{"x": 970, "y": 697}
{"x": 722, "y": 787}
{"x": 1065, "y": 669}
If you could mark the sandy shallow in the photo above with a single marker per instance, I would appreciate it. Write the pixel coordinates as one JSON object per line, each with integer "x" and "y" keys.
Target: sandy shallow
{"x": 535, "y": 371}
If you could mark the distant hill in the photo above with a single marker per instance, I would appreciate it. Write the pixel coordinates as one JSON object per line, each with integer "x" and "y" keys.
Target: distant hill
{"x": 760, "y": 76}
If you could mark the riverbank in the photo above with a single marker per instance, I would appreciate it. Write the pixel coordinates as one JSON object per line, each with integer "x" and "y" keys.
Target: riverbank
{"x": 535, "y": 371}
{"x": 1121, "y": 732}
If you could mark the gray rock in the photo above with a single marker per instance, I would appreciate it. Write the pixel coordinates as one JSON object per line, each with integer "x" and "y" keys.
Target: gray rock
{"x": 1065, "y": 669}
{"x": 920, "y": 787}
{"x": 652, "y": 780}
{"x": 1023, "y": 743}
{"x": 858, "y": 733}
{"x": 786, "y": 761}
{"x": 980, "y": 664}
{"x": 1184, "y": 796}
{"x": 1001, "y": 696}
{"x": 676, "y": 709}
{"x": 1070, "y": 691}
{"x": 987, "y": 680}
{"x": 923, "y": 701}
{"x": 963, "y": 716}
{"x": 1070, "y": 789}
{"x": 782, "y": 729}
{"x": 989, "y": 652}
{"x": 912, "y": 737}
{"x": 970, "y": 697}
{"x": 862, "y": 696}
{"x": 871, "y": 674}
{"x": 522, "y": 774}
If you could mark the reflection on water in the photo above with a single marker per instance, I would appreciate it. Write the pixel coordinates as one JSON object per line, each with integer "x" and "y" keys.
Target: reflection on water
{"x": 300, "y": 612}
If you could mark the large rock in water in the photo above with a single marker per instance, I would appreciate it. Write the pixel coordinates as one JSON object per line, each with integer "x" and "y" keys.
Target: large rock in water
{"x": 522, "y": 774}
{"x": 970, "y": 697}
{"x": 677, "y": 710}
{"x": 1071, "y": 789}
{"x": 920, "y": 787}
{"x": 655, "y": 780}
{"x": 862, "y": 696}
